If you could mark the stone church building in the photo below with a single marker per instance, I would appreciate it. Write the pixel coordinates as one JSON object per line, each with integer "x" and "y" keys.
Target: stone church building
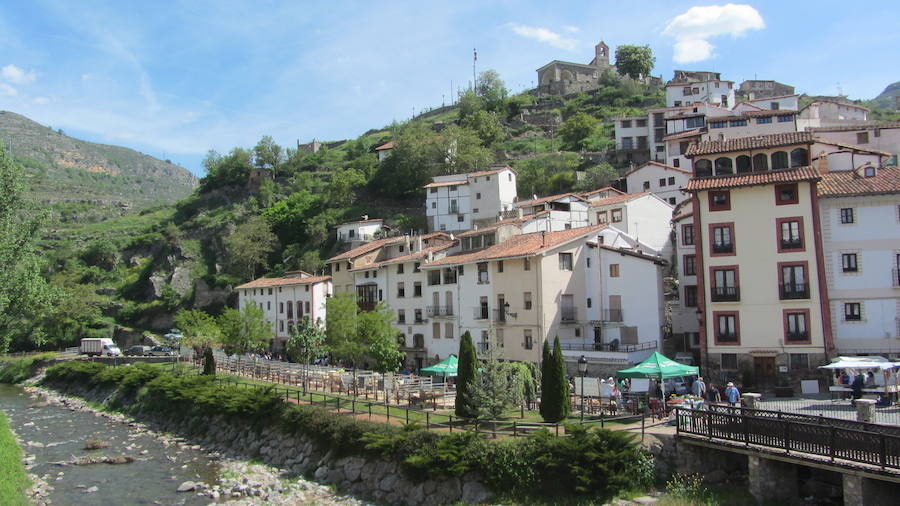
{"x": 564, "y": 78}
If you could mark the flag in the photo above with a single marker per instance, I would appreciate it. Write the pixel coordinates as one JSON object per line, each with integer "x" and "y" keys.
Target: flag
{"x": 475, "y": 54}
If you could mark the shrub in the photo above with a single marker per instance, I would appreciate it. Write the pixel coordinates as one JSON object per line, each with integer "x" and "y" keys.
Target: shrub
{"x": 688, "y": 487}
{"x": 17, "y": 370}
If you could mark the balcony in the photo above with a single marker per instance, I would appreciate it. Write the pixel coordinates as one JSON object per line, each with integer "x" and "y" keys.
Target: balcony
{"x": 366, "y": 305}
{"x": 895, "y": 278}
{"x": 568, "y": 314}
{"x": 791, "y": 291}
{"x": 484, "y": 346}
{"x": 613, "y": 346}
{"x": 792, "y": 244}
{"x": 483, "y": 278}
{"x": 480, "y": 313}
{"x": 725, "y": 294}
{"x": 723, "y": 248}
{"x": 797, "y": 336}
{"x": 499, "y": 316}
{"x": 612, "y": 315}
{"x": 439, "y": 311}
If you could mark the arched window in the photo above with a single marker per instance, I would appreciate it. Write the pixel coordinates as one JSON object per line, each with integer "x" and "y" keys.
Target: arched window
{"x": 760, "y": 162}
{"x": 799, "y": 157}
{"x": 724, "y": 166}
{"x": 743, "y": 164}
{"x": 779, "y": 160}
{"x": 702, "y": 168}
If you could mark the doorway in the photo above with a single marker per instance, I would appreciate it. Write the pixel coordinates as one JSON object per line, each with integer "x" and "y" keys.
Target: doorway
{"x": 763, "y": 372}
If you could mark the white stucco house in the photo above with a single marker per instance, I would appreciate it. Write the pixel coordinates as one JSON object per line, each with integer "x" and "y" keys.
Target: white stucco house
{"x": 662, "y": 180}
{"x": 463, "y": 201}
{"x": 644, "y": 216}
{"x": 354, "y": 233}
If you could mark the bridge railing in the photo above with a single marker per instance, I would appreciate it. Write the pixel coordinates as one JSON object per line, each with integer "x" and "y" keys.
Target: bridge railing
{"x": 792, "y": 434}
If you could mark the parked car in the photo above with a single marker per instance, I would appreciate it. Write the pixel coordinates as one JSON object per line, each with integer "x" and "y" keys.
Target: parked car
{"x": 137, "y": 351}
{"x": 161, "y": 351}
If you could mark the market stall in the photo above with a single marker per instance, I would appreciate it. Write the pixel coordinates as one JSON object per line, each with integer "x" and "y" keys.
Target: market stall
{"x": 880, "y": 375}
{"x": 659, "y": 367}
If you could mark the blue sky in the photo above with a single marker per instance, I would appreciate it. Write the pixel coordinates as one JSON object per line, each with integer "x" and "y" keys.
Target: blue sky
{"x": 175, "y": 79}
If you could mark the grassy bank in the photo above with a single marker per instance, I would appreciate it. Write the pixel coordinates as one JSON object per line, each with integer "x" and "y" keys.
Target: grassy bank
{"x": 14, "y": 481}
{"x": 18, "y": 369}
{"x": 585, "y": 466}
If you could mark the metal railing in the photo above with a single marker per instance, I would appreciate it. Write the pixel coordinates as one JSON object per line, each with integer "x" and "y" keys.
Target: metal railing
{"x": 790, "y": 291}
{"x": 614, "y": 347}
{"x": 612, "y": 315}
{"x": 439, "y": 311}
{"x": 791, "y": 244}
{"x": 499, "y": 315}
{"x": 725, "y": 294}
{"x": 895, "y": 277}
{"x": 480, "y": 313}
{"x": 862, "y": 443}
{"x": 723, "y": 248}
{"x": 568, "y": 314}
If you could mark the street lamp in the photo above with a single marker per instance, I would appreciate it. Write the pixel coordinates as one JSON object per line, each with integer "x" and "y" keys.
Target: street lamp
{"x": 582, "y": 369}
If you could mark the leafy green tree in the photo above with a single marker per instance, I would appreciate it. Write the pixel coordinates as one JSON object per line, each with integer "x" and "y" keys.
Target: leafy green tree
{"x": 25, "y": 295}
{"x": 244, "y": 331}
{"x": 556, "y": 396}
{"x": 535, "y": 173}
{"x": 495, "y": 392}
{"x": 231, "y": 170}
{"x": 634, "y": 61}
{"x": 249, "y": 246}
{"x": 491, "y": 89}
{"x": 576, "y": 130}
{"x": 288, "y": 217}
{"x": 523, "y": 384}
{"x": 306, "y": 342}
{"x": 517, "y": 103}
{"x": 202, "y": 333}
{"x": 169, "y": 298}
{"x": 598, "y": 176}
{"x": 340, "y": 328}
{"x": 376, "y": 332}
{"x": 267, "y": 154}
{"x": 103, "y": 254}
{"x": 466, "y": 376}
{"x": 469, "y": 103}
{"x": 486, "y": 125}
{"x": 343, "y": 183}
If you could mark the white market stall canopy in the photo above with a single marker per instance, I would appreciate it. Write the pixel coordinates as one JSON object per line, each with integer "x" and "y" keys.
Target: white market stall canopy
{"x": 860, "y": 363}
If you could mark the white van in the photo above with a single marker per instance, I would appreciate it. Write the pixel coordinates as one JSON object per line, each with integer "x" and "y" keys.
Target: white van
{"x": 99, "y": 346}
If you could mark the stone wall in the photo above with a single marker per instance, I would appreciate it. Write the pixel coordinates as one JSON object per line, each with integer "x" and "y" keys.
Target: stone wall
{"x": 377, "y": 479}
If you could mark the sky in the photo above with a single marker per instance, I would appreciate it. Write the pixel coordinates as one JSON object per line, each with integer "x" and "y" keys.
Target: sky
{"x": 176, "y": 79}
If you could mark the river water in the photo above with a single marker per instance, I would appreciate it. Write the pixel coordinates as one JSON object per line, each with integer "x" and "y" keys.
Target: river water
{"x": 54, "y": 433}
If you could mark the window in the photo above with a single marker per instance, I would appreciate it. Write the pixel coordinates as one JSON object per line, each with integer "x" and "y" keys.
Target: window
{"x": 483, "y": 277}
{"x": 683, "y": 146}
{"x": 475, "y": 210}
{"x": 796, "y": 329}
{"x": 417, "y": 289}
{"x": 696, "y": 122}
{"x": 588, "y": 305}
{"x": 760, "y": 162}
{"x": 869, "y": 171}
{"x": 401, "y": 248}
{"x": 726, "y": 327}
{"x": 774, "y": 106}
{"x": 280, "y": 307}
{"x": 565, "y": 261}
{"x": 307, "y": 302}
{"x": 724, "y": 166}
{"x": 723, "y": 239}
{"x": 478, "y": 196}
{"x": 454, "y": 208}
{"x": 662, "y": 181}
{"x": 432, "y": 190}
{"x": 671, "y": 180}
{"x": 718, "y": 124}
{"x": 671, "y": 200}
{"x": 626, "y": 123}
{"x": 690, "y": 262}
{"x": 794, "y": 284}
{"x": 799, "y": 157}
{"x": 526, "y": 264}
{"x": 435, "y": 330}
{"x": 401, "y": 290}
{"x": 527, "y": 340}
{"x": 686, "y": 90}
{"x": 270, "y": 291}
{"x": 702, "y": 168}
{"x": 687, "y": 235}
{"x": 852, "y": 311}
{"x": 677, "y": 103}
{"x": 526, "y": 297}
{"x": 690, "y": 296}
{"x": 646, "y": 185}
{"x": 374, "y": 275}
{"x": 627, "y": 143}
{"x": 738, "y": 122}
{"x": 616, "y": 215}
{"x": 785, "y": 118}
{"x": 719, "y": 200}
{"x": 763, "y": 121}
{"x": 725, "y": 284}
{"x": 453, "y": 189}
{"x": 399, "y": 268}
{"x": 848, "y": 262}
{"x": 799, "y": 361}
{"x": 786, "y": 194}
{"x": 434, "y": 205}
{"x": 847, "y": 215}
{"x": 460, "y": 219}
{"x": 417, "y": 267}
{"x": 640, "y": 123}
{"x": 401, "y": 316}
{"x": 743, "y": 164}
{"x": 434, "y": 277}
{"x": 729, "y": 361}
{"x": 418, "y": 315}
{"x": 448, "y": 331}
{"x": 500, "y": 266}
{"x": 790, "y": 234}
{"x": 268, "y": 305}
{"x": 601, "y": 217}
{"x": 498, "y": 338}
{"x": 779, "y": 160}
{"x": 862, "y": 137}
{"x": 676, "y": 162}
{"x": 613, "y": 270}
{"x": 337, "y": 267}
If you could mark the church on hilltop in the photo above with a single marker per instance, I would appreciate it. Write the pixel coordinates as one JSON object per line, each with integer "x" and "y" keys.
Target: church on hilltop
{"x": 564, "y": 78}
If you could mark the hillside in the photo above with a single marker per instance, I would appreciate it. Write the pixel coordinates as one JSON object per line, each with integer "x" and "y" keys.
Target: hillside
{"x": 74, "y": 173}
{"x": 887, "y": 99}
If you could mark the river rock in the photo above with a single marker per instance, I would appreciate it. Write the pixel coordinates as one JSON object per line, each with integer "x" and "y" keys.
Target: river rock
{"x": 474, "y": 492}
{"x": 187, "y": 486}
{"x": 91, "y": 490}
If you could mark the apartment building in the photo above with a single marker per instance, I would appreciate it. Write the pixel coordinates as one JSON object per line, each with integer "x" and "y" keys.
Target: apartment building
{"x": 286, "y": 301}
{"x": 823, "y": 113}
{"x": 601, "y": 193}
{"x": 860, "y": 212}
{"x": 761, "y": 89}
{"x": 355, "y": 233}
{"x": 684, "y": 309}
{"x": 553, "y": 213}
{"x": 664, "y": 181}
{"x": 883, "y": 137}
{"x": 760, "y": 227}
{"x": 644, "y": 216}
{"x": 463, "y": 201}
{"x": 705, "y": 87}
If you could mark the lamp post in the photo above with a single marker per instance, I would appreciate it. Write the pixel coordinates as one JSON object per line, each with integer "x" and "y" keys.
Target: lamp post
{"x": 582, "y": 369}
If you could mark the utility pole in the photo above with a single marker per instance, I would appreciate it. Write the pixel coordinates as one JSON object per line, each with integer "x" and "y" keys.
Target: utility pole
{"x": 474, "y": 79}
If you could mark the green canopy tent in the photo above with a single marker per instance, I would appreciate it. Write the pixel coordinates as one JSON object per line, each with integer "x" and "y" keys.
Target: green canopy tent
{"x": 445, "y": 368}
{"x": 658, "y": 366}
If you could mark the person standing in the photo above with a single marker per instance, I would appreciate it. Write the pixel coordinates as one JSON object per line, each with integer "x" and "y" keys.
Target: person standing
{"x": 732, "y": 394}
{"x": 699, "y": 388}
{"x": 714, "y": 396}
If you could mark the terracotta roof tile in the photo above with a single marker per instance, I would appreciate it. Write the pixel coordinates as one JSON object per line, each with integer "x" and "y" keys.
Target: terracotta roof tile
{"x": 770, "y": 112}
{"x": 862, "y": 125}
{"x": 378, "y": 243}
{"x": 446, "y": 183}
{"x": 492, "y": 170}
{"x": 541, "y": 200}
{"x": 748, "y": 143}
{"x": 618, "y": 199}
{"x": 285, "y": 281}
{"x": 386, "y": 145}
{"x": 519, "y": 245}
{"x": 423, "y": 253}
{"x": 604, "y": 189}
{"x": 797, "y": 174}
{"x": 697, "y": 132}
{"x": 852, "y": 147}
{"x": 667, "y": 167}
{"x": 849, "y": 183}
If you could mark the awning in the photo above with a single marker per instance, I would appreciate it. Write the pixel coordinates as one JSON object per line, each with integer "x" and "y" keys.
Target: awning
{"x": 660, "y": 367}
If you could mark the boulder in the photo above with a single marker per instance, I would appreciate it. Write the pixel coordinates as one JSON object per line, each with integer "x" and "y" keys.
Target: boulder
{"x": 474, "y": 492}
{"x": 155, "y": 285}
{"x": 181, "y": 280}
{"x": 387, "y": 483}
{"x": 206, "y": 296}
{"x": 353, "y": 468}
{"x": 187, "y": 486}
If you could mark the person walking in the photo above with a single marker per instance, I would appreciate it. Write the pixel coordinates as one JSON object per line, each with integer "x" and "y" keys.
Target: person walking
{"x": 699, "y": 388}
{"x": 857, "y": 386}
{"x": 714, "y": 396}
{"x": 732, "y": 394}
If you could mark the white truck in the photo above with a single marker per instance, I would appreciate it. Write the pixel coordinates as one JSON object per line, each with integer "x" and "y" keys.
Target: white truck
{"x": 99, "y": 346}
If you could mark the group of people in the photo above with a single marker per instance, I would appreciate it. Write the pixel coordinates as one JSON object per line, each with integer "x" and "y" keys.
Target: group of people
{"x": 711, "y": 393}
{"x": 862, "y": 380}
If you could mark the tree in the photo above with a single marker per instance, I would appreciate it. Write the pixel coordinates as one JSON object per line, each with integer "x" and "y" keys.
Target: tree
{"x": 244, "y": 331}
{"x": 491, "y": 89}
{"x": 575, "y": 131}
{"x": 340, "y": 329}
{"x": 486, "y": 125}
{"x": 343, "y": 184}
{"x": 634, "y": 61}
{"x": 535, "y": 174}
{"x": 466, "y": 376}
{"x": 494, "y": 393}
{"x": 25, "y": 295}
{"x": 376, "y": 332}
{"x": 249, "y": 246}
{"x": 306, "y": 342}
{"x": 201, "y": 332}
{"x": 598, "y": 176}
{"x": 546, "y": 380}
{"x": 523, "y": 383}
{"x": 555, "y": 389}
{"x": 469, "y": 103}
{"x": 267, "y": 154}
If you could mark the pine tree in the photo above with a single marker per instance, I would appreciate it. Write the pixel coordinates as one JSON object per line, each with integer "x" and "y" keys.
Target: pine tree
{"x": 559, "y": 370}
{"x": 467, "y": 374}
{"x": 546, "y": 381}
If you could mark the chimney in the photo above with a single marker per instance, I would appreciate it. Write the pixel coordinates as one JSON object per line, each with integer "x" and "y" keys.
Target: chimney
{"x": 419, "y": 243}
{"x": 543, "y": 238}
{"x": 365, "y": 217}
{"x": 520, "y": 213}
{"x": 823, "y": 163}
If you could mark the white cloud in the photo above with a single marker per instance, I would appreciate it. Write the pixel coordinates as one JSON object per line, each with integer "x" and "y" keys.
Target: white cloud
{"x": 7, "y": 90}
{"x": 544, "y": 35}
{"x": 41, "y": 100}
{"x": 693, "y": 29}
{"x": 573, "y": 29}
{"x": 15, "y": 75}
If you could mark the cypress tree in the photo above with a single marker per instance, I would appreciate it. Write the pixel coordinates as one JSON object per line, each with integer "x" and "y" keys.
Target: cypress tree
{"x": 209, "y": 362}
{"x": 466, "y": 375}
{"x": 559, "y": 366}
{"x": 546, "y": 381}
